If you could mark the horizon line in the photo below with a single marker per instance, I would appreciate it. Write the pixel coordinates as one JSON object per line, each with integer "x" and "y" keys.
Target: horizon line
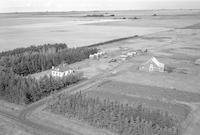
{"x": 51, "y": 11}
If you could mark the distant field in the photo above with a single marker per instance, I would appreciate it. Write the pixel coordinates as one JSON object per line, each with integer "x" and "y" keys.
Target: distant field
{"x": 195, "y": 26}
{"x": 25, "y": 29}
{"x": 156, "y": 22}
{"x": 21, "y": 32}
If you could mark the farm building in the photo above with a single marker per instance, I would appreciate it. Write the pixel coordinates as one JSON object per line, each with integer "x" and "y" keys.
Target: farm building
{"x": 152, "y": 65}
{"x": 123, "y": 57}
{"x": 97, "y": 55}
{"x": 62, "y": 70}
{"x": 131, "y": 54}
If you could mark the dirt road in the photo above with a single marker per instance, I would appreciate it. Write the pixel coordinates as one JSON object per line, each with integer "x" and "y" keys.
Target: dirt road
{"x": 194, "y": 126}
{"x": 37, "y": 128}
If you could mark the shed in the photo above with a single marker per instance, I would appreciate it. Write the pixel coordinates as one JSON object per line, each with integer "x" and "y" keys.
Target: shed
{"x": 152, "y": 65}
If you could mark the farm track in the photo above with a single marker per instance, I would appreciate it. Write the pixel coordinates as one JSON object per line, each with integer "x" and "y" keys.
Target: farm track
{"x": 194, "y": 126}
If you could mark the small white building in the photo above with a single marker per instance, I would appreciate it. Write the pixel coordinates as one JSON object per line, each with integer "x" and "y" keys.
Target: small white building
{"x": 123, "y": 57}
{"x": 62, "y": 70}
{"x": 131, "y": 54}
{"x": 152, "y": 65}
{"x": 97, "y": 55}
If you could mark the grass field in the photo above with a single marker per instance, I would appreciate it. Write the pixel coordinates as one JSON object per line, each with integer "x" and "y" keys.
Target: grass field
{"x": 23, "y": 32}
{"x": 8, "y": 127}
{"x": 156, "y": 93}
{"x": 25, "y": 29}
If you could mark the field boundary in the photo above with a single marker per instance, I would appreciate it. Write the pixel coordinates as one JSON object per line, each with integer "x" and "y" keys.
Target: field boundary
{"x": 112, "y": 41}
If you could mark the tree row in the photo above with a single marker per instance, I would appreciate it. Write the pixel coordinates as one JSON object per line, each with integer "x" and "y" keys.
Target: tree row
{"x": 28, "y": 63}
{"x": 114, "y": 116}
{"x": 24, "y": 90}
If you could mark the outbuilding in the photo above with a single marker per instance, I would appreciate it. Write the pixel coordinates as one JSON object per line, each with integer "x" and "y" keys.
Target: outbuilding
{"x": 97, "y": 55}
{"x": 152, "y": 65}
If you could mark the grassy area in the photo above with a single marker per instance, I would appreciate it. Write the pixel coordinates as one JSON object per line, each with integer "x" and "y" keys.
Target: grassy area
{"x": 156, "y": 93}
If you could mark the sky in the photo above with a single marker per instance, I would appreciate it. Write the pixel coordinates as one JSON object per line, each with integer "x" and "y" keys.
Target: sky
{"x": 84, "y": 5}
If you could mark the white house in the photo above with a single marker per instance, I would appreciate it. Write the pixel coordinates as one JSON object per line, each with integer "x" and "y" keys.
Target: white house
{"x": 61, "y": 70}
{"x": 152, "y": 65}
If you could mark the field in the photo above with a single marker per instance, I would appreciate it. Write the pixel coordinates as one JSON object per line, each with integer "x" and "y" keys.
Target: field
{"x": 76, "y": 29}
{"x": 8, "y": 127}
{"x": 41, "y": 30}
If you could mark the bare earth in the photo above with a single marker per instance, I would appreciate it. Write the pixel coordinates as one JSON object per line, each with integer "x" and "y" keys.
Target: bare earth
{"x": 8, "y": 127}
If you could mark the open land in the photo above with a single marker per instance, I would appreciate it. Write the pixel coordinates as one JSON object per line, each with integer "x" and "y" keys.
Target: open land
{"x": 172, "y": 37}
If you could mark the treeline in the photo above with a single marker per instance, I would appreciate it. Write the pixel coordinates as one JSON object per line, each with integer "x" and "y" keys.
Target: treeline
{"x": 25, "y": 90}
{"x": 114, "y": 116}
{"x": 28, "y": 63}
{"x": 41, "y": 48}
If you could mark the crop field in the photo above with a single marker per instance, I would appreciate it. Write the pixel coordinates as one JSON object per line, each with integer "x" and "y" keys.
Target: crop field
{"x": 155, "y": 93}
{"x": 25, "y": 31}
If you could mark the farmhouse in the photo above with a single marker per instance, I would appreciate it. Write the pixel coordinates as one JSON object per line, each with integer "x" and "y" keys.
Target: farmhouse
{"x": 62, "y": 70}
{"x": 152, "y": 65}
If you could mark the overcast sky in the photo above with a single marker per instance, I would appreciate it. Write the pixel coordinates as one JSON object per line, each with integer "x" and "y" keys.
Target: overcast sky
{"x": 76, "y": 5}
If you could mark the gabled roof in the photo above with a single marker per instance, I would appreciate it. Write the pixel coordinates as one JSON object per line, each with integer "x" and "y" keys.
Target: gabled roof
{"x": 154, "y": 60}
{"x": 62, "y": 68}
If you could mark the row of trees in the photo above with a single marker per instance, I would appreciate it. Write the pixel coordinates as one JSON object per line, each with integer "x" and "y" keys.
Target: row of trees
{"x": 114, "y": 116}
{"x": 29, "y": 63}
{"x": 32, "y": 49}
{"x": 25, "y": 90}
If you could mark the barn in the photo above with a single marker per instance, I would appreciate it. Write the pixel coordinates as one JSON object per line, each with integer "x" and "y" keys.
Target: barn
{"x": 152, "y": 65}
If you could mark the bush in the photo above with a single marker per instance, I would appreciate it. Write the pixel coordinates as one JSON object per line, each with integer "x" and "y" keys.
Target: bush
{"x": 169, "y": 69}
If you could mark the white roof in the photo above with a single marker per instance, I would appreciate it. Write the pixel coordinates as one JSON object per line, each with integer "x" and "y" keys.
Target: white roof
{"x": 123, "y": 56}
{"x": 159, "y": 64}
